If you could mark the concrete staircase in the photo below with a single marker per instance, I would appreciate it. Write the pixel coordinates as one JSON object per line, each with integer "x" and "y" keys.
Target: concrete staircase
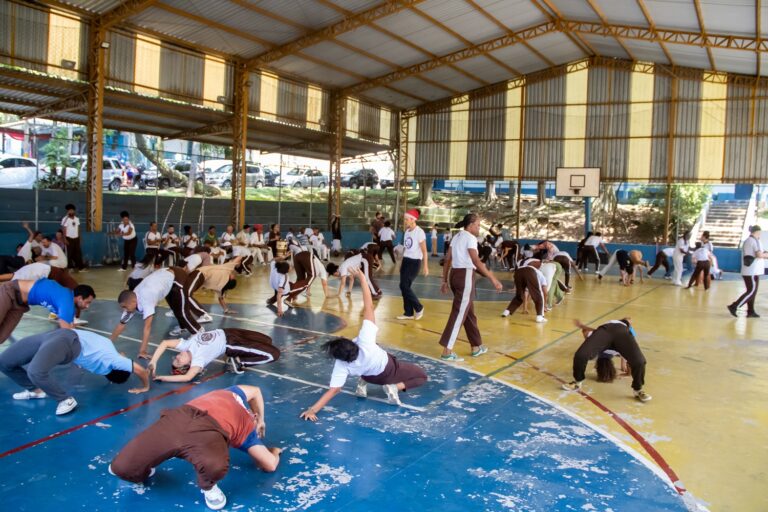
{"x": 725, "y": 221}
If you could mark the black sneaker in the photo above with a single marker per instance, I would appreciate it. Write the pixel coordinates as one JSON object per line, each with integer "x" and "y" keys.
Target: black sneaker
{"x": 753, "y": 315}
{"x": 732, "y": 309}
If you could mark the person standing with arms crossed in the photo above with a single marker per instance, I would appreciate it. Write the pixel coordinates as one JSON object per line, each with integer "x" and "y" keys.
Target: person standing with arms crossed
{"x": 752, "y": 267}
{"x": 71, "y": 225}
{"x": 459, "y": 272}
{"x": 127, "y": 231}
{"x": 415, "y": 256}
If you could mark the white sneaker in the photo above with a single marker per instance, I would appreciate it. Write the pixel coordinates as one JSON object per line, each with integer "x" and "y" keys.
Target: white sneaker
{"x": 52, "y": 317}
{"x": 505, "y": 313}
{"x": 642, "y": 396}
{"x": 540, "y": 319}
{"x": 404, "y": 317}
{"x": 122, "y": 270}
{"x": 29, "y": 395}
{"x": 419, "y": 314}
{"x": 362, "y": 388}
{"x": 176, "y": 331}
{"x": 66, "y": 406}
{"x": 214, "y": 498}
{"x": 80, "y": 321}
{"x": 572, "y": 386}
{"x": 392, "y": 393}
{"x": 205, "y": 318}
{"x": 235, "y": 365}
{"x": 169, "y": 314}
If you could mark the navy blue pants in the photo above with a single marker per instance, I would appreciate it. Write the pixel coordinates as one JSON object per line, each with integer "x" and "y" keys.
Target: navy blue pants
{"x": 409, "y": 269}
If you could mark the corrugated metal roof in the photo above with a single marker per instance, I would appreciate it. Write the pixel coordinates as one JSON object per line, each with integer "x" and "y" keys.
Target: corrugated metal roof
{"x": 558, "y": 48}
{"x": 731, "y": 18}
{"x": 459, "y": 16}
{"x": 520, "y": 58}
{"x": 421, "y": 32}
{"x": 374, "y": 41}
{"x": 605, "y": 46}
{"x": 622, "y": 11}
{"x": 673, "y": 14}
{"x": 514, "y": 14}
{"x": 240, "y": 18}
{"x": 418, "y": 87}
{"x": 347, "y": 59}
{"x": 576, "y": 10}
{"x": 390, "y": 97}
{"x": 484, "y": 67}
{"x": 306, "y": 12}
{"x": 185, "y": 29}
{"x": 693, "y": 56}
{"x": 97, "y": 6}
{"x": 647, "y": 51}
{"x": 295, "y": 65}
{"x": 452, "y": 78}
{"x": 735, "y": 61}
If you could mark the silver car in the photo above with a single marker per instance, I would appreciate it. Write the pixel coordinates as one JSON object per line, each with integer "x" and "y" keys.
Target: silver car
{"x": 302, "y": 178}
{"x": 222, "y": 177}
{"x": 17, "y": 171}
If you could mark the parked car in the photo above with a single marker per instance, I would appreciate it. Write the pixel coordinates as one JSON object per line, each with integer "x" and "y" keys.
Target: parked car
{"x": 360, "y": 178}
{"x": 222, "y": 177}
{"x": 270, "y": 177}
{"x": 112, "y": 171}
{"x": 17, "y": 171}
{"x": 302, "y": 178}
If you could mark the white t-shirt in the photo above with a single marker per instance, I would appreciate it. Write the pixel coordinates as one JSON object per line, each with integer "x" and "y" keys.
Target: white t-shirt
{"x": 295, "y": 247}
{"x": 204, "y": 347}
{"x": 447, "y": 236}
{"x": 681, "y": 245}
{"x": 386, "y": 234}
{"x": 460, "y": 246}
{"x": 152, "y": 237}
{"x": 243, "y": 238}
{"x": 412, "y": 240}
{"x": 56, "y": 251}
{"x": 278, "y": 281}
{"x": 308, "y": 232}
{"x": 125, "y": 228}
{"x": 701, "y": 254}
{"x": 32, "y": 272}
{"x": 319, "y": 269}
{"x": 434, "y": 234}
{"x": 257, "y": 238}
{"x": 353, "y": 262}
{"x": 668, "y": 252}
{"x": 192, "y": 262}
{"x": 152, "y": 290}
{"x": 71, "y": 226}
{"x": 750, "y": 248}
{"x": 227, "y": 239}
{"x": 26, "y": 251}
{"x": 594, "y": 241}
{"x": 564, "y": 253}
{"x": 540, "y": 276}
{"x": 170, "y": 240}
{"x": 189, "y": 241}
{"x": 371, "y": 361}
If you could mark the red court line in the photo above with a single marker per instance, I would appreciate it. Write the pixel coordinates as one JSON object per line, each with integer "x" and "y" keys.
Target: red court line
{"x": 648, "y": 447}
{"x": 81, "y": 426}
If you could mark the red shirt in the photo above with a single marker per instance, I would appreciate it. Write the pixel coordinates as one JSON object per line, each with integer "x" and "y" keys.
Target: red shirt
{"x": 230, "y": 411}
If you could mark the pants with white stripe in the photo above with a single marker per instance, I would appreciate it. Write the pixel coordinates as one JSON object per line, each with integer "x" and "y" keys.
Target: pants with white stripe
{"x": 462, "y": 281}
{"x": 526, "y": 279}
{"x": 303, "y": 263}
{"x": 366, "y": 266}
{"x": 748, "y": 297}
{"x": 179, "y": 300}
{"x": 250, "y": 346}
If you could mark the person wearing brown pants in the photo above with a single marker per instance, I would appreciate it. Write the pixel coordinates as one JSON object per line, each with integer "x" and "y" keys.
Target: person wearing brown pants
{"x": 308, "y": 267}
{"x": 201, "y": 432}
{"x": 529, "y": 279}
{"x": 461, "y": 262}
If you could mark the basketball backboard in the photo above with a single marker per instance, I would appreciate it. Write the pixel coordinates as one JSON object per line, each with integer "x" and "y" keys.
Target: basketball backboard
{"x": 578, "y": 182}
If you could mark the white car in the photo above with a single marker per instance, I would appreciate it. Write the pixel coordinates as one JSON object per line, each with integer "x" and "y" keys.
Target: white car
{"x": 17, "y": 171}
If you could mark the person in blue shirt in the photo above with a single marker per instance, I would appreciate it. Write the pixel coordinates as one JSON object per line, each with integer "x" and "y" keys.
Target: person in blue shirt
{"x": 41, "y": 353}
{"x": 17, "y": 296}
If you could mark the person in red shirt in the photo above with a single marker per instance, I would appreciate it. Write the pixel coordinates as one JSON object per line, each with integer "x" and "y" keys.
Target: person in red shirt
{"x": 201, "y": 432}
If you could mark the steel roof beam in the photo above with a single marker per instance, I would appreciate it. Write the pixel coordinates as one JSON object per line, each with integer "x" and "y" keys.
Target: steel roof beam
{"x": 602, "y": 17}
{"x": 700, "y": 17}
{"x": 68, "y": 104}
{"x": 123, "y": 11}
{"x": 652, "y": 25}
{"x": 556, "y": 16}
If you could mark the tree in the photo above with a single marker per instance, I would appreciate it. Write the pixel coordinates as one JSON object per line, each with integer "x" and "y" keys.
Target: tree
{"x": 512, "y": 193}
{"x": 57, "y": 153}
{"x": 490, "y": 191}
{"x": 425, "y": 192}
{"x": 541, "y": 193}
{"x": 172, "y": 175}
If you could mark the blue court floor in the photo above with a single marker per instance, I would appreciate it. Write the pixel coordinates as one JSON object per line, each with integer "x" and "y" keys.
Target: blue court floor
{"x": 461, "y": 442}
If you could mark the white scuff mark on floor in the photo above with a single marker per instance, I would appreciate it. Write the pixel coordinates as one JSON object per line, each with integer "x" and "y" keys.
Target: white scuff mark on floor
{"x": 416, "y": 424}
{"x": 482, "y": 393}
{"x": 295, "y": 460}
{"x": 91, "y": 466}
{"x": 577, "y": 464}
{"x": 312, "y": 487}
{"x": 298, "y": 451}
{"x": 342, "y": 440}
{"x": 103, "y": 425}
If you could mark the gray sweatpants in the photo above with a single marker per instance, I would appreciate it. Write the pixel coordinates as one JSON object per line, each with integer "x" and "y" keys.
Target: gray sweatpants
{"x": 41, "y": 353}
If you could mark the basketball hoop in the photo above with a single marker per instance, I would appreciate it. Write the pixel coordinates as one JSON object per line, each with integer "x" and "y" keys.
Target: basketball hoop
{"x": 576, "y": 191}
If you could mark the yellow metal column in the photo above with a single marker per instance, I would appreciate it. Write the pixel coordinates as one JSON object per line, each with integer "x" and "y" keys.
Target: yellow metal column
{"x": 95, "y": 127}
{"x": 670, "y": 157}
{"x": 337, "y": 122}
{"x": 239, "y": 139}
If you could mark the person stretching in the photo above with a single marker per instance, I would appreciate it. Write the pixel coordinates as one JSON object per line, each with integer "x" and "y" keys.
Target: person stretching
{"x": 201, "y": 432}
{"x": 363, "y": 357}
{"x": 242, "y": 347}
{"x": 616, "y": 335}
{"x": 41, "y": 353}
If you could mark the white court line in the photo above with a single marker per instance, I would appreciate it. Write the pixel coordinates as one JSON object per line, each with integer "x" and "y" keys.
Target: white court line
{"x": 250, "y": 320}
{"x": 264, "y": 372}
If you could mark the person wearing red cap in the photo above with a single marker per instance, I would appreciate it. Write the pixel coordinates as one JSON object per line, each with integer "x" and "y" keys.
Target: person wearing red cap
{"x": 415, "y": 256}
{"x": 462, "y": 261}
